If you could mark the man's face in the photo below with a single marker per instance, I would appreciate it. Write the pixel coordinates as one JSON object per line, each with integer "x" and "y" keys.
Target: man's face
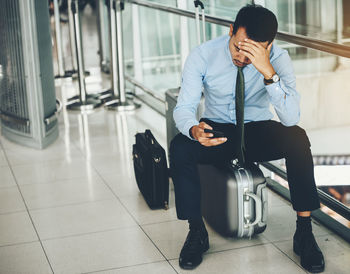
{"x": 238, "y": 58}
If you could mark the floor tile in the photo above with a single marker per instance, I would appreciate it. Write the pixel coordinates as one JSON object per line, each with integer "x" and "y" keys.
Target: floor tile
{"x": 53, "y": 171}
{"x": 170, "y": 237}
{"x": 114, "y": 145}
{"x": 23, "y": 259}
{"x": 3, "y": 160}
{"x": 249, "y": 260}
{"x": 16, "y": 228}
{"x": 104, "y": 250}
{"x": 59, "y": 150}
{"x": 123, "y": 182}
{"x": 11, "y": 200}
{"x": 80, "y": 219}
{"x": 336, "y": 252}
{"x": 138, "y": 207}
{"x": 281, "y": 224}
{"x": 6, "y": 177}
{"x": 274, "y": 200}
{"x": 154, "y": 268}
{"x": 110, "y": 163}
{"x": 65, "y": 192}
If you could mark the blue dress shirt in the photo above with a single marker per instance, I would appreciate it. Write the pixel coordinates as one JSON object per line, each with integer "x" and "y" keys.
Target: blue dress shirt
{"x": 209, "y": 66}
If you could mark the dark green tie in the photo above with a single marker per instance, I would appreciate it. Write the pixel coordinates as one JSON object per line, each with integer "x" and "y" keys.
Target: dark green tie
{"x": 240, "y": 115}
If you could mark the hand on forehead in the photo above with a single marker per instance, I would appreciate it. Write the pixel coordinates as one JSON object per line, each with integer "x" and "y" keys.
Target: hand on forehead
{"x": 250, "y": 42}
{"x": 241, "y": 36}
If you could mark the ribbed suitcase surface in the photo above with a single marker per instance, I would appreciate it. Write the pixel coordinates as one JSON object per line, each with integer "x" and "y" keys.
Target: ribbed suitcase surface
{"x": 151, "y": 170}
{"x": 234, "y": 200}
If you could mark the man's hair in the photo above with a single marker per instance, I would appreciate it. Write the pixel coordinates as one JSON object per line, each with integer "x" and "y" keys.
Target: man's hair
{"x": 260, "y": 23}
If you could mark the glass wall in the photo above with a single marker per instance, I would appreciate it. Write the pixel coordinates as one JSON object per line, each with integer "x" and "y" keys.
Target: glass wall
{"x": 326, "y": 118}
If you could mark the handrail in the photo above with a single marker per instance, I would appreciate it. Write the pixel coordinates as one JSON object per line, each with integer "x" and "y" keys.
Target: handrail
{"x": 330, "y": 47}
{"x": 144, "y": 88}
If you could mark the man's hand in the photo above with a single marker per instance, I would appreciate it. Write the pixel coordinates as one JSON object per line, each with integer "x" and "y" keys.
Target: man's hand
{"x": 259, "y": 56}
{"x": 204, "y": 138}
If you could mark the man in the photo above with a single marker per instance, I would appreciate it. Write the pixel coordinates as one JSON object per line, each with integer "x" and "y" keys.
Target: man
{"x": 246, "y": 57}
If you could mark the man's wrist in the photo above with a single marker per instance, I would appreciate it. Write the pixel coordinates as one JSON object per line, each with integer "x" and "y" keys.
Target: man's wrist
{"x": 269, "y": 73}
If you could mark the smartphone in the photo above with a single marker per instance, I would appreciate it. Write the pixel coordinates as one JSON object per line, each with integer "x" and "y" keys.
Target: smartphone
{"x": 216, "y": 134}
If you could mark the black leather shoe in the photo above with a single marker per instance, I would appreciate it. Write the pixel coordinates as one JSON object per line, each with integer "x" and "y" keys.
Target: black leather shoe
{"x": 197, "y": 242}
{"x": 311, "y": 257}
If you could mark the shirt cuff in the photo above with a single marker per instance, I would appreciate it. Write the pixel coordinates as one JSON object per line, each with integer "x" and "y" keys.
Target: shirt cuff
{"x": 276, "y": 92}
{"x": 187, "y": 127}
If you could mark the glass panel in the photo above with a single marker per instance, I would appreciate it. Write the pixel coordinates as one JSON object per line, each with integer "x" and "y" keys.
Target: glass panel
{"x": 221, "y": 8}
{"x": 325, "y": 115}
{"x": 160, "y": 39}
{"x": 324, "y": 19}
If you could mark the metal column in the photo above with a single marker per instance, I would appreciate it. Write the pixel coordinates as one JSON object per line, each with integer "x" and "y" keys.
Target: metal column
{"x": 60, "y": 59}
{"x": 71, "y": 38}
{"x": 104, "y": 45}
{"x": 137, "y": 62}
{"x": 118, "y": 101}
{"x": 85, "y": 102}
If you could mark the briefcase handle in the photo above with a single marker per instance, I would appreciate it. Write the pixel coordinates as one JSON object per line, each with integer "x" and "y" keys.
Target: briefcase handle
{"x": 258, "y": 208}
{"x": 150, "y": 136}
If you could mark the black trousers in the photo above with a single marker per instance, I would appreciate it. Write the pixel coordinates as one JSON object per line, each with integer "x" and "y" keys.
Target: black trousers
{"x": 265, "y": 141}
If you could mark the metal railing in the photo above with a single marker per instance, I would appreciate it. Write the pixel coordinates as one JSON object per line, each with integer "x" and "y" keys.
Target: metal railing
{"x": 333, "y": 48}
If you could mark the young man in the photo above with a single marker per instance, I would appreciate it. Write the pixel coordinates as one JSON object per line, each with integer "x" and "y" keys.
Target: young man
{"x": 246, "y": 59}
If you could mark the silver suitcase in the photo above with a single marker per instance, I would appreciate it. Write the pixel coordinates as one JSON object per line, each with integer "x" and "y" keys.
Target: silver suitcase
{"x": 234, "y": 199}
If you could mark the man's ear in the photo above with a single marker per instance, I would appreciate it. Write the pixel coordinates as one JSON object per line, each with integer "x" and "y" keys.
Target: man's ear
{"x": 231, "y": 30}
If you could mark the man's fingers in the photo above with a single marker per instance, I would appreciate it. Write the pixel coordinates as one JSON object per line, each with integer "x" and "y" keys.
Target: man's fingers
{"x": 249, "y": 49}
{"x": 204, "y": 125}
{"x": 203, "y": 140}
{"x": 213, "y": 141}
{"x": 250, "y": 45}
{"x": 254, "y": 43}
{"x": 205, "y": 135}
{"x": 247, "y": 54}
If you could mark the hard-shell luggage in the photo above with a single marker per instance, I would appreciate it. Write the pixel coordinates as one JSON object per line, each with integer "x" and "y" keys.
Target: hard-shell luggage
{"x": 234, "y": 199}
{"x": 151, "y": 171}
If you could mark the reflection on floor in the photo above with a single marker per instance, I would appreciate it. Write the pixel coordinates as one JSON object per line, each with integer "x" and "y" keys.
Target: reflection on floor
{"x": 75, "y": 208}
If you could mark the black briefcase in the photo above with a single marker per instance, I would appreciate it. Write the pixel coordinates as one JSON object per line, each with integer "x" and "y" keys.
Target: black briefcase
{"x": 151, "y": 170}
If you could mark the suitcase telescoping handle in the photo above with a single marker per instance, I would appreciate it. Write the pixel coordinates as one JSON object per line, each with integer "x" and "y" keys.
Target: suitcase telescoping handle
{"x": 198, "y": 3}
{"x": 258, "y": 208}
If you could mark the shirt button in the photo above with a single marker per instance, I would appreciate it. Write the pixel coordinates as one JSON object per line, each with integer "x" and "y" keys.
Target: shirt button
{"x": 276, "y": 88}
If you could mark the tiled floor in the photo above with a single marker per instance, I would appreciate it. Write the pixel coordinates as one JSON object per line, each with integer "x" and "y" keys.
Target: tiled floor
{"x": 75, "y": 208}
